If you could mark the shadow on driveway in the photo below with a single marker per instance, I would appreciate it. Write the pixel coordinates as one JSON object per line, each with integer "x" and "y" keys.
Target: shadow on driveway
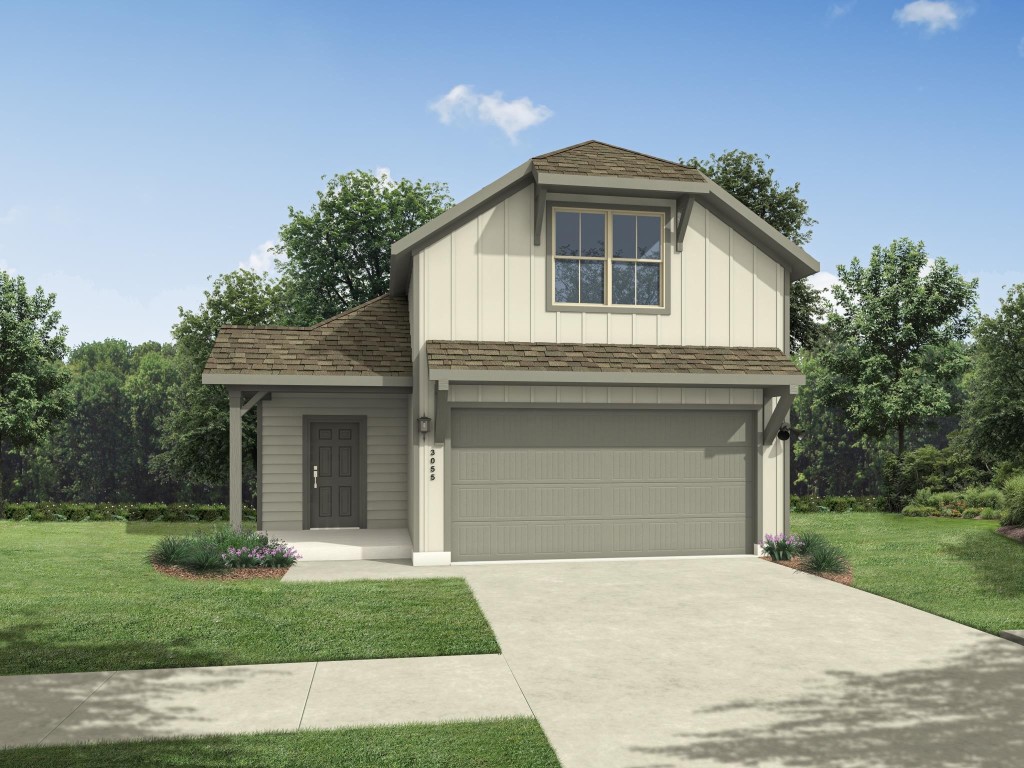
{"x": 968, "y": 712}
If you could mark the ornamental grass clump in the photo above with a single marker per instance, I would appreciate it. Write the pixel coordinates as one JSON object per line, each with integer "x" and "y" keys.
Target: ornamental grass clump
{"x": 779, "y": 547}
{"x": 819, "y": 555}
{"x": 223, "y": 548}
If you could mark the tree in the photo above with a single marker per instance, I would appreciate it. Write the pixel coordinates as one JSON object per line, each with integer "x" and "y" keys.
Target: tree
{"x": 33, "y": 380}
{"x": 894, "y": 356}
{"x": 993, "y": 424}
{"x": 194, "y": 436}
{"x": 338, "y": 255}
{"x": 745, "y": 176}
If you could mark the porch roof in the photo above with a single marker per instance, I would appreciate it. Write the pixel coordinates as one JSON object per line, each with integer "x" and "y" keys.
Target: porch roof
{"x": 371, "y": 341}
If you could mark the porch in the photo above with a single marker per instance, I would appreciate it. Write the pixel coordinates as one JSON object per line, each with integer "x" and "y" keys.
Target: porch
{"x": 321, "y": 544}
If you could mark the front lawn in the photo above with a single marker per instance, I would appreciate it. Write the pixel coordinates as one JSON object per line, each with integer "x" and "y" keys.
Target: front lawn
{"x": 79, "y": 597}
{"x": 512, "y": 743}
{"x": 960, "y": 569}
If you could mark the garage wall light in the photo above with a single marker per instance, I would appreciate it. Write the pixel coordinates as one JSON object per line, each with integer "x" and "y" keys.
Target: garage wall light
{"x": 424, "y": 422}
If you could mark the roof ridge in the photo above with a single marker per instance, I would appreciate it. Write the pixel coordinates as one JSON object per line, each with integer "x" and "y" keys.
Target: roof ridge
{"x": 349, "y": 311}
{"x": 617, "y": 147}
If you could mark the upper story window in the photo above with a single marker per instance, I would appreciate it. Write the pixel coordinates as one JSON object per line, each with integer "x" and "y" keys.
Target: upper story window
{"x": 607, "y": 258}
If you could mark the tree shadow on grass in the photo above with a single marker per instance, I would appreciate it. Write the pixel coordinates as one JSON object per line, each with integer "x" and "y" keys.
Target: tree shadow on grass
{"x": 996, "y": 561}
{"x": 966, "y": 712}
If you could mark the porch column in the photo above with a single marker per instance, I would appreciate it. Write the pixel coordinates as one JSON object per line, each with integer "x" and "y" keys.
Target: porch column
{"x": 235, "y": 459}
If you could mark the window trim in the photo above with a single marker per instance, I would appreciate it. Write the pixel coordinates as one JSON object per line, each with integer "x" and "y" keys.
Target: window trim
{"x": 662, "y": 308}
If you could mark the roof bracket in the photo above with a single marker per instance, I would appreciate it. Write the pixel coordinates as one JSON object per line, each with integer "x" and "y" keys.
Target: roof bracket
{"x": 684, "y": 207}
{"x": 248, "y": 405}
{"x": 786, "y": 396}
{"x": 540, "y": 199}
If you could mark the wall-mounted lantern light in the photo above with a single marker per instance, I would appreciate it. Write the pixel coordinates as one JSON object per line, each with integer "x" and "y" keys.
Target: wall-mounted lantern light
{"x": 784, "y": 432}
{"x": 424, "y": 422}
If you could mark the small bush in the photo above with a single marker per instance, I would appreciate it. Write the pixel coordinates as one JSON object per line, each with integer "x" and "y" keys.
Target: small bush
{"x": 990, "y": 514}
{"x": 972, "y": 513}
{"x": 983, "y": 496}
{"x": 833, "y": 504}
{"x": 809, "y": 541}
{"x": 822, "y": 556}
{"x": 779, "y": 547}
{"x": 221, "y": 548}
{"x": 1013, "y": 501}
{"x": 918, "y": 510}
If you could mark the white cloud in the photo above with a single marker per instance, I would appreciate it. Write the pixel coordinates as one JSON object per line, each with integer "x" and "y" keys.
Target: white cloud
{"x": 512, "y": 117}
{"x": 840, "y": 9}
{"x": 824, "y": 281}
{"x": 382, "y": 172}
{"x": 262, "y": 259}
{"x": 935, "y": 15}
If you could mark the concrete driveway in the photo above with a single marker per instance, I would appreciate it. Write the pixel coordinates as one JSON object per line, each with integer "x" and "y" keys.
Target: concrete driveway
{"x": 735, "y": 661}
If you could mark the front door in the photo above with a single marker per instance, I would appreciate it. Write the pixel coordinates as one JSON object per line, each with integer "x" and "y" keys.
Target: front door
{"x": 334, "y": 474}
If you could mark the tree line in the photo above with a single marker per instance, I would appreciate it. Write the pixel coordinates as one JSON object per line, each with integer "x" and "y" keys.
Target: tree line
{"x": 904, "y": 377}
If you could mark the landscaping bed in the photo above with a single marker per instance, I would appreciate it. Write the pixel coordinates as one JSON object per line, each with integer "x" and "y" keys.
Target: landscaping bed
{"x": 229, "y": 574}
{"x": 798, "y": 563}
{"x": 1014, "y": 532}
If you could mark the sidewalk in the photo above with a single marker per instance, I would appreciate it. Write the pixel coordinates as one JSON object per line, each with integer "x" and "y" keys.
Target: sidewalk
{"x": 163, "y": 703}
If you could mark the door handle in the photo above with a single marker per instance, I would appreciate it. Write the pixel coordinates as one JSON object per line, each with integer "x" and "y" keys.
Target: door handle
{"x": 314, "y": 475}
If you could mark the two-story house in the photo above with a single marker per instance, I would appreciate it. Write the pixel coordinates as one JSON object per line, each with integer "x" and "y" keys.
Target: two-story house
{"x": 587, "y": 358}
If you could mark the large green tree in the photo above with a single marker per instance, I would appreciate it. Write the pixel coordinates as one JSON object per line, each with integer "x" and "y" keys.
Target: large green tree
{"x": 194, "y": 436}
{"x": 993, "y": 424}
{"x": 33, "y": 379}
{"x": 338, "y": 254}
{"x": 746, "y": 177}
{"x": 894, "y": 353}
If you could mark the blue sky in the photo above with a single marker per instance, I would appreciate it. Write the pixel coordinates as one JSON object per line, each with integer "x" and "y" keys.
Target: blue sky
{"x": 144, "y": 147}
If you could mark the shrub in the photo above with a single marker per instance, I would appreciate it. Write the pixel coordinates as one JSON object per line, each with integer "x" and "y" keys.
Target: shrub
{"x": 1013, "y": 501}
{"x": 779, "y": 547}
{"x": 990, "y": 514}
{"x": 918, "y": 510}
{"x": 822, "y": 556}
{"x": 221, "y": 548}
{"x": 56, "y": 511}
{"x": 973, "y": 513}
{"x": 836, "y": 504}
{"x": 809, "y": 541}
{"x": 983, "y": 496}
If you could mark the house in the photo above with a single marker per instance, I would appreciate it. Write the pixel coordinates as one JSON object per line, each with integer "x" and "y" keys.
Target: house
{"x": 587, "y": 358}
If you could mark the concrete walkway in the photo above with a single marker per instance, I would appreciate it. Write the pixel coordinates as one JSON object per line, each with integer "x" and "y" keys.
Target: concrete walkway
{"x": 149, "y": 704}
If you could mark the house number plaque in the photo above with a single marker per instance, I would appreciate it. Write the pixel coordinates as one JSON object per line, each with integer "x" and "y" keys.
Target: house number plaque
{"x": 433, "y": 461}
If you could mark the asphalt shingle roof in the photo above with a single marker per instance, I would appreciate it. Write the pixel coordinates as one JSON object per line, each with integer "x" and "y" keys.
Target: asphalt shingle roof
{"x": 595, "y": 158}
{"x": 369, "y": 340}
{"x": 492, "y": 356}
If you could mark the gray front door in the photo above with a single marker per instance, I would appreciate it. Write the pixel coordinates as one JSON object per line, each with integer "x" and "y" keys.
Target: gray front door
{"x": 562, "y": 483}
{"x": 334, "y": 472}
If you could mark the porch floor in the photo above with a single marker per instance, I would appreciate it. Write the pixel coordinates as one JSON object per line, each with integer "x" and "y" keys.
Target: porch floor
{"x": 348, "y": 543}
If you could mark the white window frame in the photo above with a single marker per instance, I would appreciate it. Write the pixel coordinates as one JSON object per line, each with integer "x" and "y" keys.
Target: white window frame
{"x": 608, "y": 259}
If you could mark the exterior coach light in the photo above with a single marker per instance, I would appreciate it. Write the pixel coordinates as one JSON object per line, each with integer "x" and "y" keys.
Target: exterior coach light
{"x": 784, "y": 432}
{"x": 424, "y": 424}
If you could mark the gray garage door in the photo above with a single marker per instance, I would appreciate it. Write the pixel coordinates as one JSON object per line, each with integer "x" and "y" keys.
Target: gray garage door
{"x": 559, "y": 483}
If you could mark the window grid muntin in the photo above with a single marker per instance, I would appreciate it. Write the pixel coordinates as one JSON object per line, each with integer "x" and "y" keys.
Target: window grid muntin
{"x": 609, "y": 258}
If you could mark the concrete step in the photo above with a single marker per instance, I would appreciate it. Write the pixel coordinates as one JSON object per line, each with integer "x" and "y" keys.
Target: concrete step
{"x": 348, "y": 543}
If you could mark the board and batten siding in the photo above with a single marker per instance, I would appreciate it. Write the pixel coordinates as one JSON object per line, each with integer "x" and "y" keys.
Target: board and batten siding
{"x": 486, "y": 281}
{"x": 387, "y": 450}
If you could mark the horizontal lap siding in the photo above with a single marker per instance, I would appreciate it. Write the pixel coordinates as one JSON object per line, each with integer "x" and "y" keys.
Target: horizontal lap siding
{"x": 387, "y": 447}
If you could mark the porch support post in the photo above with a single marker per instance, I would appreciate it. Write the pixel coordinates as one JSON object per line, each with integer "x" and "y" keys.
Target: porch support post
{"x": 235, "y": 459}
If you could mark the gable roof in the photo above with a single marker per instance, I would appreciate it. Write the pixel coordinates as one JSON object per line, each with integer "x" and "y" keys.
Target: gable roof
{"x": 369, "y": 340}
{"x": 599, "y": 168}
{"x": 595, "y": 158}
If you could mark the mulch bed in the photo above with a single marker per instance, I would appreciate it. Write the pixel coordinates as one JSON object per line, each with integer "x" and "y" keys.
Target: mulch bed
{"x": 1015, "y": 532}
{"x": 228, "y": 574}
{"x": 839, "y": 578}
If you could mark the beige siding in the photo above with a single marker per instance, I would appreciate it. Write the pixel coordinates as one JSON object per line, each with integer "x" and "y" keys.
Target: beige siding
{"x": 486, "y": 281}
{"x": 387, "y": 441}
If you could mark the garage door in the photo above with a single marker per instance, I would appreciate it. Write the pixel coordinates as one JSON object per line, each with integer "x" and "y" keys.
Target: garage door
{"x": 560, "y": 483}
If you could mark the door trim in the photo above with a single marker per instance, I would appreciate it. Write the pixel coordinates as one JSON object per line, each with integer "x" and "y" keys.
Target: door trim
{"x": 307, "y": 471}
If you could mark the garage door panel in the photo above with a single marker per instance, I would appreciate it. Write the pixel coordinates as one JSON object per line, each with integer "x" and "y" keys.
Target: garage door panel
{"x": 540, "y": 484}
{"x": 606, "y": 465}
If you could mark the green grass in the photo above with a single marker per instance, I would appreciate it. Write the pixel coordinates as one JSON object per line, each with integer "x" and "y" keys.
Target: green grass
{"x": 511, "y": 743}
{"x": 82, "y": 597}
{"x": 960, "y": 569}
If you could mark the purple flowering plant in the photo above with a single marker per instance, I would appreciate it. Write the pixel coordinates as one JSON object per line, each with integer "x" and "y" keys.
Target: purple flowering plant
{"x": 274, "y": 554}
{"x": 780, "y": 547}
